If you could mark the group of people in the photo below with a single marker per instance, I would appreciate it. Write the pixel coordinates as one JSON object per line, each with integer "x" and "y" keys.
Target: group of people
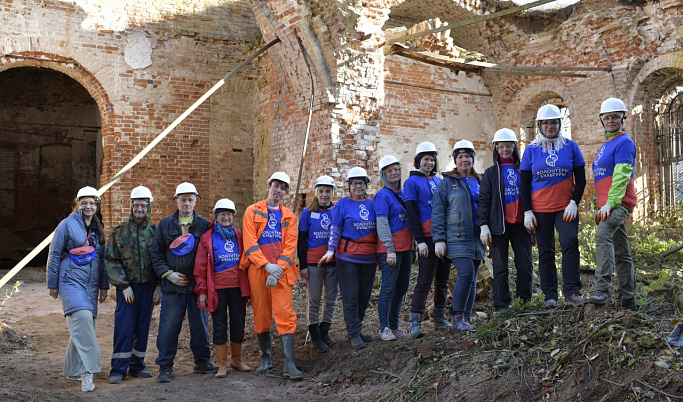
{"x": 195, "y": 266}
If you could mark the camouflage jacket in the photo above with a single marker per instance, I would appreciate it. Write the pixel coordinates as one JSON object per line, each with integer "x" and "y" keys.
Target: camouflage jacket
{"x": 128, "y": 257}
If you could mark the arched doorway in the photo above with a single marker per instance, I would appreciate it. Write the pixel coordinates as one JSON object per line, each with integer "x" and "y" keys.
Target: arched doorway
{"x": 50, "y": 146}
{"x": 669, "y": 135}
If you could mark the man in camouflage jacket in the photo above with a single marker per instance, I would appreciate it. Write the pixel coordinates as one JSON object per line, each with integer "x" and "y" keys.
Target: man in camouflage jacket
{"x": 128, "y": 263}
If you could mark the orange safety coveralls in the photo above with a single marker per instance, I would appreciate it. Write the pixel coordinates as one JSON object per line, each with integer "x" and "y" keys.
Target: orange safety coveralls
{"x": 269, "y": 303}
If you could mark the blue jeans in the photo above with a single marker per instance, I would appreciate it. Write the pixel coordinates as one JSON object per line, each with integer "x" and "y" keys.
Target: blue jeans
{"x": 131, "y": 329}
{"x": 465, "y": 288}
{"x": 173, "y": 307}
{"x": 395, "y": 281}
{"x": 569, "y": 241}
{"x": 355, "y": 284}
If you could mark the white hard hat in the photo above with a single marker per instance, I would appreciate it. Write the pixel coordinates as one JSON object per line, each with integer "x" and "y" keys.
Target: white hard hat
{"x": 141, "y": 192}
{"x": 325, "y": 180}
{"x": 548, "y": 112}
{"x": 279, "y": 176}
{"x": 386, "y": 161}
{"x": 185, "y": 188}
{"x": 357, "y": 172}
{"x": 610, "y": 105}
{"x": 225, "y": 203}
{"x": 503, "y": 135}
{"x": 425, "y": 147}
{"x": 463, "y": 144}
{"x": 87, "y": 191}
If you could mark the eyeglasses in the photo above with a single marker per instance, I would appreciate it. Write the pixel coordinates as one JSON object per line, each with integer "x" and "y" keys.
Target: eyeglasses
{"x": 143, "y": 206}
{"x": 550, "y": 123}
{"x": 358, "y": 183}
{"x": 225, "y": 215}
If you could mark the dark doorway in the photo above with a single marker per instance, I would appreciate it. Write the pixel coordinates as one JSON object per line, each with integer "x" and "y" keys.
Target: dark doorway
{"x": 50, "y": 146}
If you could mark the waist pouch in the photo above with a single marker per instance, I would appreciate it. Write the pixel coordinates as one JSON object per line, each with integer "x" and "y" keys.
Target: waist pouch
{"x": 182, "y": 245}
{"x": 82, "y": 255}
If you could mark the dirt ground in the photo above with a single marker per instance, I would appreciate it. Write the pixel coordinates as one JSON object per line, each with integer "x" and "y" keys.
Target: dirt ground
{"x": 577, "y": 354}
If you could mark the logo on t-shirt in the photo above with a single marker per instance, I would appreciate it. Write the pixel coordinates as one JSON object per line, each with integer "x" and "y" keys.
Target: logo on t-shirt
{"x": 432, "y": 186}
{"x": 229, "y": 246}
{"x": 552, "y": 158}
{"x": 511, "y": 177}
{"x": 599, "y": 155}
{"x": 271, "y": 221}
{"x": 325, "y": 222}
{"x": 364, "y": 213}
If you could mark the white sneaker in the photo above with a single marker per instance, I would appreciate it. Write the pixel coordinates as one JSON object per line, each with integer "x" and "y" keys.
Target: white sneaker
{"x": 400, "y": 334}
{"x": 86, "y": 382}
{"x": 386, "y": 335}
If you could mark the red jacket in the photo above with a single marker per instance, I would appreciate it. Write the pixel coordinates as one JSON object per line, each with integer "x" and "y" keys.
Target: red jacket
{"x": 203, "y": 270}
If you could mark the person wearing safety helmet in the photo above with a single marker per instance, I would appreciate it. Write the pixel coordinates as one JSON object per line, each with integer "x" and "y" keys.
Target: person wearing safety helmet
{"x": 553, "y": 180}
{"x": 321, "y": 282}
{"x": 455, "y": 230}
{"x": 221, "y": 286}
{"x": 395, "y": 248}
{"x": 75, "y": 272}
{"x": 173, "y": 255}
{"x": 353, "y": 244}
{"x": 502, "y": 220}
{"x": 418, "y": 191}
{"x": 270, "y": 236}
{"x": 128, "y": 261}
{"x": 616, "y": 197}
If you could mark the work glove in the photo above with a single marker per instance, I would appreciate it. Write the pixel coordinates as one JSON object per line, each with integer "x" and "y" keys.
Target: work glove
{"x": 570, "y": 212}
{"x": 274, "y": 270}
{"x": 391, "y": 259}
{"x": 529, "y": 220}
{"x": 485, "y": 235}
{"x": 128, "y": 295}
{"x": 202, "y": 300}
{"x": 177, "y": 279}
{"x": 440, "y": 249}
{"x": 304, "y": 273}
{"x": 604, "y": 213}
{"x": 423, "y": 250}
{"x": 271, "y": 282}
{"x": 156, "y": 298}
{"x": 326, "y": 258}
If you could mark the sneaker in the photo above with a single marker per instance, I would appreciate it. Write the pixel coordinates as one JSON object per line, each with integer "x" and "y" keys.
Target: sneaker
{"x": 115, "y": 379}
{"x": 575, "y": 300}
{"x": 73, "y": 377}
{"x": 140, "y": 374}
{"x": 400, "y": 334}
{"x": 86, "y": 382}
{"x": 628, "y": 304}
{"x": 599, "y": 297}
{"x": 205, "y": 368}
{"x": 166, "y": 375}
{"x": 365, "y": 337}
{"x": 550, "y": 303}
{"x": 386, "y": 335}
{"x": 462, "y": 325}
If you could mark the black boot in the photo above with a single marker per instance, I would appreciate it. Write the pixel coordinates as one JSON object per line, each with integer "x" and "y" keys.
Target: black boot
{"x": 325, "y": 333}
{"x": 315, "y": 338}
{"x": 288, "y": 367}
{"x": 266, "y": 352}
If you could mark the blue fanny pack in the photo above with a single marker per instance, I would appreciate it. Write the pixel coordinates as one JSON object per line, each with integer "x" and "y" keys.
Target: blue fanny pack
{"x": 182, "y": 245}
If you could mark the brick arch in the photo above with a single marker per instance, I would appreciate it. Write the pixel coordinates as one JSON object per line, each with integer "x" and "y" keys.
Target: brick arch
{"x": 648, "y": 87}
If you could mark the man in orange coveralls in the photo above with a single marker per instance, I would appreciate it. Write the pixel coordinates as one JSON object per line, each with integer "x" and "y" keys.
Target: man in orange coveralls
{"x": 269, "y": 233}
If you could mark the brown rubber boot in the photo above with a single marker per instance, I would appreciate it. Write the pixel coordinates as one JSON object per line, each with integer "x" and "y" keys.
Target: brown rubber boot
{"x": 236, "y": 357}
{"x": 222, "y": 355}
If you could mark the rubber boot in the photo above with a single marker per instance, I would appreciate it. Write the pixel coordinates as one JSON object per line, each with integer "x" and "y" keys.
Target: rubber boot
{"x": 236, "y": 357}
{"x": 266, "y": 352}
{"x": 439, "y": 315}
{"x": 325, "y": 333}
{"x": 222, "y": 355}
{"x": 288, "y": 367}
{"x": 314, "y": 330}
{"x": 416, "y": 325}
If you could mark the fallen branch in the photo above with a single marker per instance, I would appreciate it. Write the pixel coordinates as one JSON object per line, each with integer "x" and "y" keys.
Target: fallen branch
{"x": 385, "y": 373}
{"x": 667, "y": 253}
{"x": 659, "y": 390}
{"x": 482, "y": 380}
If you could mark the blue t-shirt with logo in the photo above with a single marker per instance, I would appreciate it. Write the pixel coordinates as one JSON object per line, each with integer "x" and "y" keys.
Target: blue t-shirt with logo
{"x": 387, "y": 205}
{"x": 318, "y": 225}
{"x": 226, "y": 254}
{"x": 421, "y": 189}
